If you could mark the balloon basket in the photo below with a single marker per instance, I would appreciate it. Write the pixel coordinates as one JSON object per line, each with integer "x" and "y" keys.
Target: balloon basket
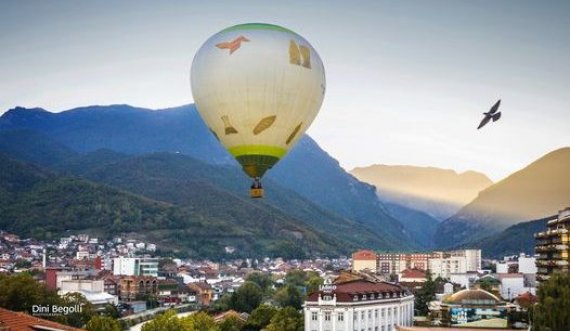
{"x": 256, "y": 193}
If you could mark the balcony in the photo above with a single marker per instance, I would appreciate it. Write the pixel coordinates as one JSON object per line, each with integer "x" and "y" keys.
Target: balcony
{"x": 562, "y": 262}
{"x": 552, "y": 221}
{"x": 561, "y": 247}
{"x": 542, "y": 262}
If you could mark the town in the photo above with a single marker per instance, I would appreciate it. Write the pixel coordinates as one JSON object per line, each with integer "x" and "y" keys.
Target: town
{"x": 367, "y": 291}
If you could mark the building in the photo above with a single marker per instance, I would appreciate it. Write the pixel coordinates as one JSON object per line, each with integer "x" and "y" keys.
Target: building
{"x": 511, "y": 285}
{"x": 396, "y": 263}
{"x": 93, "y": 290}
{"x": 443, "y": 264}
{"x": 133, "y": 288}
{"x": 412, "y": 276}
{"x": 364, "y": 260}
{"x": 527, "y": 264}
{"x": 135, "y": 266}
{"x": 440, "y": 264}
{"x": 552, "y": 246}
{"x": 358, "y": 305}
{"x": 463, "y": 279}
{"x": 202, "y": 292}
{"x": 474, "y": 308}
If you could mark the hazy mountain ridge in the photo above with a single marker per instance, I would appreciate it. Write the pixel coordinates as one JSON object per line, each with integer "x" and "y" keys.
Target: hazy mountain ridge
{"x": 438, "y": 192}
{"x": 536, "y": 191}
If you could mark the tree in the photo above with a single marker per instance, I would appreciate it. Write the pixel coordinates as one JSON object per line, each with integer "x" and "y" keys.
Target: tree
{"x": 247, "y": 297}
{"x": 425, "y": 295}
{"x": 165, "y": 322}
{"x": 313, "y": 283}
{"x": 78, "y": 319}
{"x": 112, "y": 311}
{"x": 260, "y": 317}
{"x": 198, "y": 322}
{"x": 286, "y": 319}
{"x": 552, "y": 312}
{"x": 289, "y": 296}
{"x": 103, "y": 323}
{"x": 263, "y": 280}
{"x": 19, "y": 292}
{"x": 22, "y": 264}
{"x": 224, "y": 303}
{"x": 296, "y": 277}
{"x": 231, "y": 323}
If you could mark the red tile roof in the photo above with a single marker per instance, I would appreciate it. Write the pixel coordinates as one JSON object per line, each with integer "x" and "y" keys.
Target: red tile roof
{"x": 345, "y": 292}
{"x": 413, "y": 273}
{"x": 364, "y": 255}
{"x": 15, "y": 321}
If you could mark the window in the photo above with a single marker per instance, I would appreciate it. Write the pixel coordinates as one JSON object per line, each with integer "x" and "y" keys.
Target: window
{"x": 314, "y": 316}
{"x": 340, "y": 316}
{"x": 389, "y": 312}
{"x": 362, "y": 315}
{"x": 327, "y": 316}
{"x": 383, "y": 312}
{"x": 370, "y": 314}
{"x": 355, "y": 316}
{"x": 376, "y": 313}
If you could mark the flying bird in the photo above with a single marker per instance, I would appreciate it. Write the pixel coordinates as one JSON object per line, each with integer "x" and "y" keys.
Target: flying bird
{"x": 492, "y": 114}
{"x": 232, "y": 45}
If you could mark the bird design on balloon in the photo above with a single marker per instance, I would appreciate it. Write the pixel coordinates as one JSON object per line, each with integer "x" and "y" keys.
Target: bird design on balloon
{"x": 233, "y": 45}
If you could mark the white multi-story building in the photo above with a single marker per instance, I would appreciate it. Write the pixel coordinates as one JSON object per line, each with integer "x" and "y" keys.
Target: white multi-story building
{"x": 135, "y": 266}
{"x": 472, "y": 258}
{"x": 440, "y": 264}
{"x": 443, "y": 264}
{"x": 527, "y": 264}
{"x": 359, "y": 305}
{"x": 511, "y": 285}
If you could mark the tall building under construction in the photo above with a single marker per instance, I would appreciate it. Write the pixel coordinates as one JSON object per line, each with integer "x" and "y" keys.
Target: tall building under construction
{"x": 552, "y": 246}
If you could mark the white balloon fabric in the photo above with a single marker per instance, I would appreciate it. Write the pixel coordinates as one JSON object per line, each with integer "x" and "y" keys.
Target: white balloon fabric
{"x": 258, "y": 87}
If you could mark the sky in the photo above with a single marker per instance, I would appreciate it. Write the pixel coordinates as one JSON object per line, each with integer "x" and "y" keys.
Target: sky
{"x": 407, "y": 81}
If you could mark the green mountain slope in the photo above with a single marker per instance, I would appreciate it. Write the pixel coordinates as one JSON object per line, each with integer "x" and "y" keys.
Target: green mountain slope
{"x": 44, "y": 205}
{"x": 307, "y": 170}
{"x": 514, "y": 240}
{"x": 207, "y": 189}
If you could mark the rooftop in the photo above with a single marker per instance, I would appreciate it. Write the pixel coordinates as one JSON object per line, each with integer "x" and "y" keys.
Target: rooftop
{"x": 15, "y": 321}
{"x": 473, "y": 297}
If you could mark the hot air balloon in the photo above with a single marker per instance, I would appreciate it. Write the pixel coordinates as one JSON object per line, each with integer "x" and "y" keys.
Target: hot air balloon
{"x": 258, "y": 87}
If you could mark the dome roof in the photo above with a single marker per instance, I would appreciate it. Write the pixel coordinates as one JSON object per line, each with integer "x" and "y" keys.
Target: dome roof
{"x": 473, "y": 297}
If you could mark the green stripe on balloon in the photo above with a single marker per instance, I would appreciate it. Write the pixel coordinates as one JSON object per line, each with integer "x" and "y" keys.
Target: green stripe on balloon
{"x": 274, "y": 151}
{"x": 258, "y": 26}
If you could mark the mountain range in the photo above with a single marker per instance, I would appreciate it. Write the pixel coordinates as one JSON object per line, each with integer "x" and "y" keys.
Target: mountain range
{"x": 88, "y": 142}
{"x": 175, "y": 171}
{"x": 539, "y": 190}
{"x": 438, "y": 192}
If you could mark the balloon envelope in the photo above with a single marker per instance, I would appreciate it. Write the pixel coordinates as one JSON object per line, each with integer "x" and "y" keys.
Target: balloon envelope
{"x": 258, "y": 87}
